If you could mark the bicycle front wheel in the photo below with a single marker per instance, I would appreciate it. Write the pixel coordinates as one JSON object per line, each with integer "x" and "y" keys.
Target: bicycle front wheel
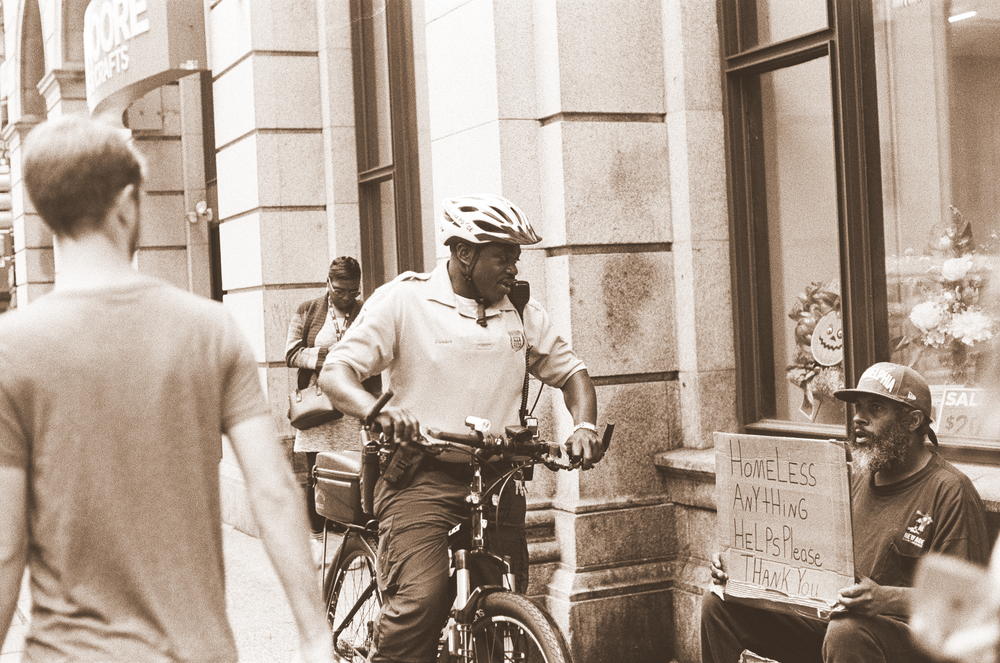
{"x": 509, "y": 628}
{"x": 350, "y": 592}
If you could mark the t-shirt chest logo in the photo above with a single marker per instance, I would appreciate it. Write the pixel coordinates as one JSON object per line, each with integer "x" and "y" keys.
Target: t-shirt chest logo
{"x": 516, "y": 339}
{"x": 915, "y": 532}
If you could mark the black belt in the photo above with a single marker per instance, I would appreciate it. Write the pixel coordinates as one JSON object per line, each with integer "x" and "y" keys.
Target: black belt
{"x": 461, "y": 471}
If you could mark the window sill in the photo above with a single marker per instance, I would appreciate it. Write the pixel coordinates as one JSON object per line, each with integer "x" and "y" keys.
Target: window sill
{"x": 690, "y": 478}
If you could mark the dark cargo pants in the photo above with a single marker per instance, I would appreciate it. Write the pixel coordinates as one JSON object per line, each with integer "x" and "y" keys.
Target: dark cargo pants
{"x": 413, "y": 557}
{"x": 728, "y": 628}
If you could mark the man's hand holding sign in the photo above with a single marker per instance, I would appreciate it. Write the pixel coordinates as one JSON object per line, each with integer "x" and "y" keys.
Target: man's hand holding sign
{"x": 905, "y": 501}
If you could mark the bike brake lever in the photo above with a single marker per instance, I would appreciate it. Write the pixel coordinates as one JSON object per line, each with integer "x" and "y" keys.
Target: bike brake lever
{"x": 379, "y": 404}
{"x": 560, "y": 462}
{"x": 609, "y": 430}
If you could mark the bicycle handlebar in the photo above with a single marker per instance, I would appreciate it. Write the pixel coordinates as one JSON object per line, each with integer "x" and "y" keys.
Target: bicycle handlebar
{"x": 500, "y": 445}
{"x": 478, "y": 441}
{"x": 468, "y": 439}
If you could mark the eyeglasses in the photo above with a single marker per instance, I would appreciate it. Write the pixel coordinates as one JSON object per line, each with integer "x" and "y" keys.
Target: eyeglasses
{"x": 342, "y": 291}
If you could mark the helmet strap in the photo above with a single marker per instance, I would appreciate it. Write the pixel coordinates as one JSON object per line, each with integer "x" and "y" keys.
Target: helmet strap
{"x": 467, "y": 275}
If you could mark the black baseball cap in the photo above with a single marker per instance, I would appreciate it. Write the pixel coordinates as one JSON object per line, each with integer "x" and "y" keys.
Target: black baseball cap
{"x": 897, "y": 383}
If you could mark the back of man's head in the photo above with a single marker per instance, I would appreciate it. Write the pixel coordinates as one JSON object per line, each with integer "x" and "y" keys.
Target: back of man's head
{"x": 75, "y": 168}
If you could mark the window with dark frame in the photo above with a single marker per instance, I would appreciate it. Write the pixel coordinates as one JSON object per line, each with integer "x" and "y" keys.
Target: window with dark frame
{"x": 805, "y": 207}
{"x": 862, "y": 145}
{"x": 938, "y": 85}
{"x": 385, "y": 117}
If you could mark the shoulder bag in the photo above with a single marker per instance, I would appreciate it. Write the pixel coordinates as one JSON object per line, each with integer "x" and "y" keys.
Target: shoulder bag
{"x": 309, "y": 407}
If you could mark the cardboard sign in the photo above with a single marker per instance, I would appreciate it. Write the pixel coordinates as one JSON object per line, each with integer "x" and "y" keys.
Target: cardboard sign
{"x": 784, "y": 514}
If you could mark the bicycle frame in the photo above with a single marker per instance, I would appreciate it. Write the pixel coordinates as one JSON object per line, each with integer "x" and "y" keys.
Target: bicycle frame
{"x": 474, "y": 597}
{"x": 457, "y": 633}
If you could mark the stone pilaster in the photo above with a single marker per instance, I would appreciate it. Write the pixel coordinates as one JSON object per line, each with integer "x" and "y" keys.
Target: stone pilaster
{"x": 34, "y": 263}
{"x": 272, "y": 187}
{"x": 700, "y": 221}
{"x": 64, "y": 91}
{"x": 702, "y": 283}
{"x": 336, "y": 87}
{"x": 605, "y": 203}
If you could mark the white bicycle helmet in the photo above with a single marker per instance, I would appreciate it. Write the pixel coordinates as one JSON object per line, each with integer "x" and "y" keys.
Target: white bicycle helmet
{"x": 484, "y": 219}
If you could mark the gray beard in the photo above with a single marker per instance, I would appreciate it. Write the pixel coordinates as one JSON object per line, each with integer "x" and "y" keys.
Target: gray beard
{"x": 884, "y": 453}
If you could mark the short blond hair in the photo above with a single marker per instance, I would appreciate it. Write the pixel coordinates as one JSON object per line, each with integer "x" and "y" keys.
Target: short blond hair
{"x": 75, "y": 168}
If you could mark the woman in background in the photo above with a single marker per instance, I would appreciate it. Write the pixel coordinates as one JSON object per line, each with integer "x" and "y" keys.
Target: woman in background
{"x": 318, "y": 325}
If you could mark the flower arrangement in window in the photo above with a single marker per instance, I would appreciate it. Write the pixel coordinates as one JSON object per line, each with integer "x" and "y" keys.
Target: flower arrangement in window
{"x": 950, "y": 319}
{"x": 818, "y": 366}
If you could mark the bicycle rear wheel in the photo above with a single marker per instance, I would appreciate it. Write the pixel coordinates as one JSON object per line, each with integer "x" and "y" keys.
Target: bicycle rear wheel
{"x": 350, "y": 592}
{"x": 510, "y": 628}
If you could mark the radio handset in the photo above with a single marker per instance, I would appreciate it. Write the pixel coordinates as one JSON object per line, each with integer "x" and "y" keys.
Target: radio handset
{"x": 519, "y": 295}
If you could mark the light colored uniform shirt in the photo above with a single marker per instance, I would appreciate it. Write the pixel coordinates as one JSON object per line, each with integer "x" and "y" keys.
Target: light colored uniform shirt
{"x": 440, "y": 363}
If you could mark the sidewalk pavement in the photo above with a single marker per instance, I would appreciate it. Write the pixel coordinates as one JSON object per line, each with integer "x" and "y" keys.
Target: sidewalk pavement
{"x": 258, "y": 610}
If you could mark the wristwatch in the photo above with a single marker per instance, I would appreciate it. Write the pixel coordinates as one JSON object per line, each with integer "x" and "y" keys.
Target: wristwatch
{"x": 585, "y": 424}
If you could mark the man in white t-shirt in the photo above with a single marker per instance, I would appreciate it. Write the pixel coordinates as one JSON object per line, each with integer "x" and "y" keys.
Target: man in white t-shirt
{"x": 115, "y": 389}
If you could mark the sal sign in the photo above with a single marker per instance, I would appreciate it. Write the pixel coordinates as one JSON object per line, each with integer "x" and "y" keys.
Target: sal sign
{"x": 964, "y": 416}
{"x": 784, "y": 515}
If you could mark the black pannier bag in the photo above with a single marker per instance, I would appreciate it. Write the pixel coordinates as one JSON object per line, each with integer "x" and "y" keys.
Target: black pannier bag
{"x": 338, "y": 487}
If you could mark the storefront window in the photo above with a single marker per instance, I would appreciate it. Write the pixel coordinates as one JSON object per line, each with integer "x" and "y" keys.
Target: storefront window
{"x": 805, "y": 208}
{"x": 385, "y": 117}
{"x": 801, "y": 191}
{"x": 938, "y": 73}
{"x": 777, "y": 20}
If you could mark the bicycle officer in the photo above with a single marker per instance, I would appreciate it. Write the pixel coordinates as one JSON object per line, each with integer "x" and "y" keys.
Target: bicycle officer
{"x": 450, "y": 344}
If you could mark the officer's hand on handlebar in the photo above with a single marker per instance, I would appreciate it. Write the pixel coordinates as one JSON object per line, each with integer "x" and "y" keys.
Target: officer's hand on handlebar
{"x": 585, "y": 447}
{"x": 398, "y": 424}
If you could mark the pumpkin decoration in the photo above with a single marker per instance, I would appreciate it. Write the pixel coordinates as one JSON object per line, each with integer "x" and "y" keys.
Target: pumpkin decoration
{"x": 817, "y": 367}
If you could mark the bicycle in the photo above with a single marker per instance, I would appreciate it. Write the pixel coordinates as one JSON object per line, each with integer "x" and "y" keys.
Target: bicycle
{"x": 487, "y": 622}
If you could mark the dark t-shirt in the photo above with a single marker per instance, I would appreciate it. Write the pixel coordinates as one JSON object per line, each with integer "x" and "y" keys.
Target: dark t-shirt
{"x": 114, "y": 400}
{"x": 935, "y": 510}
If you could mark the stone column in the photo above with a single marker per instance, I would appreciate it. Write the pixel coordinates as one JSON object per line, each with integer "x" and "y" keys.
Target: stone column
{"x": 702, "y": 281}
{"x": 33, "y": 259}
{"x": 609, "y": 265}
{"x": 271, "y": 183}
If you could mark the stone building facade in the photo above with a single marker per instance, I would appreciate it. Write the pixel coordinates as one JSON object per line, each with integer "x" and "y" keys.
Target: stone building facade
{"x": 602, "y": 120}
{"x": 319, "y": 128}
